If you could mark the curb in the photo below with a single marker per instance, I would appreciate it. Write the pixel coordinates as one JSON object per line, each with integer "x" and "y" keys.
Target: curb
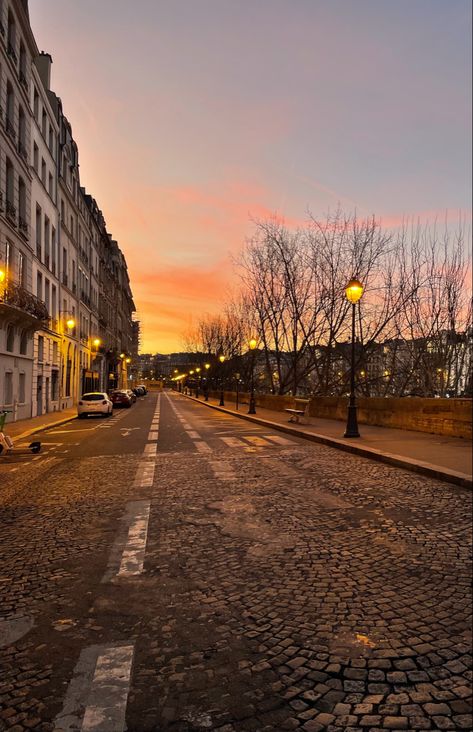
{"x": 42, "y": 428}
{"x": 417, "y": 466}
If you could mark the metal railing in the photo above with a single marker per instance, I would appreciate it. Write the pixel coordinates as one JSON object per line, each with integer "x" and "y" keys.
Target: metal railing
{"x": 17, "y": 296}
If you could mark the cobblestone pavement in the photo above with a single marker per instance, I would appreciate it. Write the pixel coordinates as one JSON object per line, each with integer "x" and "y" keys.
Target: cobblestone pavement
{"x": 285, "y": 586}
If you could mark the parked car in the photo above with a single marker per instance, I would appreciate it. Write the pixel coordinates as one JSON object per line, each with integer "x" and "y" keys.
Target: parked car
{"x": 143, "y": 388}
{"x": 120, "y": 398}
{"x": 131, "y": 394}
{"x": 138, "y": 391}
{"x": 94, "y": 402}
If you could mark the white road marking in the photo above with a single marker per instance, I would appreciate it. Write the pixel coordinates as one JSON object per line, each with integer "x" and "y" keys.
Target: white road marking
{"x": 279, "y": 440}
{"x": 150, "y": 449}
{"x": 193, "y": 434}
{"x": 152, "y": 436}
{"x": 202, "y": 446}
{"x": 258, "y": 441}
{"x": 100, "y": 685}
{"x": 134, "y": 552}
{"x": 145, "y": 474}
{"x": 232, "y": 441}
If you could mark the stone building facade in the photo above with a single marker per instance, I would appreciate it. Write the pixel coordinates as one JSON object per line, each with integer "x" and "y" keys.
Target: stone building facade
{"x": 65, "y": 298}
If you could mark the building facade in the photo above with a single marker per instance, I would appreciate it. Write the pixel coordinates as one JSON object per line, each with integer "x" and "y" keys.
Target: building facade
{"x": 65, "y": 298}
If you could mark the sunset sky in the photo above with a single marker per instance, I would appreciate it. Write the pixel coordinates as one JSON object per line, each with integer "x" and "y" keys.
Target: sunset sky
{"x": 194, "y": 117}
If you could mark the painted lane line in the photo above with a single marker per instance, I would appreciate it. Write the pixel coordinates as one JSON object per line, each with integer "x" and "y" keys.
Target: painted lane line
{"x": 100, "y": 685}
{"x": 145, "y": 475}
{"x": 258, "y": 441}
{"x": 150, "y": 449}
{"x": 152, "y": 436}
{"x": 232, "y": 441}
{"x": 133, "y": 556}
{"x": 279, "y": 440}
{"x": 202, "y": 446}
{"x": 127, "y": 553}
{"x": 193, "y": 434}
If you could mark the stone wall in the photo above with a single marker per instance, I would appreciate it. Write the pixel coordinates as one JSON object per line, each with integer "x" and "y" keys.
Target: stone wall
{"x": 452, "y": 417}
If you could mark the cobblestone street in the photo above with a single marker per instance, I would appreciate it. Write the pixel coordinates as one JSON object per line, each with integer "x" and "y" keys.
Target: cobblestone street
{"x": 284, "y": 585}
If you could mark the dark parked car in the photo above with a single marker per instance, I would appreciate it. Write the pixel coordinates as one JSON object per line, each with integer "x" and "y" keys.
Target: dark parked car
{"x": 131, "y": 394}
{"x": 120, "y": 399}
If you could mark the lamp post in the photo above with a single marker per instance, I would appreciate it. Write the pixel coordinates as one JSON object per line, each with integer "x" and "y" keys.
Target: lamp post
{"x": 221, "y": 358}
{"x": 354, "y": 291}
{"x": 199, "y": 377}
{"x": 206, "y": 388}
{"x": 252, "y": 343}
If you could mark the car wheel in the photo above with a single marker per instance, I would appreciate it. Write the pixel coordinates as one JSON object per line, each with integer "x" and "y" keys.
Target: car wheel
{"x": 81, "y": 416}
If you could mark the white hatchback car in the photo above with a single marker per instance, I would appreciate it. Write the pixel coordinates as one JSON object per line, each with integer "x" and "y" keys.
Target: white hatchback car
{"x": 96, "y": 402}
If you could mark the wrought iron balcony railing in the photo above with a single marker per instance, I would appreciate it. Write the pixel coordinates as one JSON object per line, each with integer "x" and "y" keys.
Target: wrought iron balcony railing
{"x": 17, "y": 296}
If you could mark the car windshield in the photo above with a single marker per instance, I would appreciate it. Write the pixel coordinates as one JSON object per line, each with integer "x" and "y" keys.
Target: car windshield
{"x": 92, "y": 397}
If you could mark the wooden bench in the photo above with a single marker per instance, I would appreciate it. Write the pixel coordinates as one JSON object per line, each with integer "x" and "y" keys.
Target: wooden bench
{"x": 297, "y": 413}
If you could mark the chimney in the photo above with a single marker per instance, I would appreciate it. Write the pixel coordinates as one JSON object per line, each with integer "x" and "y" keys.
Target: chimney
{"x": 43, "y": 64}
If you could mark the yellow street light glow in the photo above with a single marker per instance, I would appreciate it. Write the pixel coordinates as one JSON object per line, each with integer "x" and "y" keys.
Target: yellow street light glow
{"x": 71, "y": 323}
{"x": 128, "y": 360}
{"x": 122, "y": 355}
{"x": 96, "y": 342}
{"x": 2, "y": 275}
{"x": 252, "y": 343}
{"x": 207, "y": 366}
{"x": 221, "y": 358}
{"x": 191, "y": 371}
{"x": 198, "y": 370}
{"x": 354, "y": 291}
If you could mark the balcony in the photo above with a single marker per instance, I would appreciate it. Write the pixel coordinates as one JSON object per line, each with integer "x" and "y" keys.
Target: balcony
{"x": 19, "y": 305}
{"x": 11, "y": 52}
{"x": 23, "y": 80}
{"x": 23, "y": 226}
{"x": 23, "y": 151}
{"x": 10, "y": 129}
{"x": 11, "y": 212}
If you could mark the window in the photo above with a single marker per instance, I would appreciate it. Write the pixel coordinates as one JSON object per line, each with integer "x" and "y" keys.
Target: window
{"x": 43, "y": 172}
{"x": 55, "y": 352}
{"x": 22, "y": 203}
{"x": 36, "y": 104}
{"x": 35, "y": 157}
{"x": 38, "y": 231}
{"x": 24, "y": 342}
{"x": 39, "y": 285}
{"x": 53, "y": 301}
{"x": 62, "y": 210}
{"x": 8, "y": 255}
{"x": 10, "y": 112}
{"x": 10, "y": 338}
{"x": 44, "y": 123}
{"x": 21, "y": 269}
{"x": 50, "y": 185}
{"x": 22, "y": 388}
{"x": 40, "y": 349}
{"x": 53, "y": 250}
{"x": 47, "y": 243}
{"x": 46, "y": 293}
{"x": 22, "y": 133}
{"x": 10, "y": 186}
{"x": 51, "y": 141}
{"x": 8, "y": 389}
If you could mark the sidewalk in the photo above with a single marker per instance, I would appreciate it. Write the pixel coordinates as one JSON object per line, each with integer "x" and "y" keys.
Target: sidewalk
{"x": 445, "y": 458}
{"x": 26, "y": 427}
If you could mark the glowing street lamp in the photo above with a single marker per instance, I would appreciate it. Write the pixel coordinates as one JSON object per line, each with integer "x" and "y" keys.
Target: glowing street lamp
{"x": 206, "y": 387}
{"x": 96, "y": 343}
{"x": 252, "y": 343}
{"x": 353, "y": 291}
{"x": 221, "y": 358}
{"x": 70, "y": 323}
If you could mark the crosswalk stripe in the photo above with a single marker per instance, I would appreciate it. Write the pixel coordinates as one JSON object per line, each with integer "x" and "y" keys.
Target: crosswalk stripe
{"x": 279, "y": 440}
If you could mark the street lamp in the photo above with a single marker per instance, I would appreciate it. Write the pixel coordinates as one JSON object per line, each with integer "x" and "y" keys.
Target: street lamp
{"x": 96, "y": 343}
{"x": 252, "y": 343}
{"x": 198, "y": 370}
{"x": 221, "y": 358}
{"x": 354, "y": 291}
{"x": 206, "y": 389}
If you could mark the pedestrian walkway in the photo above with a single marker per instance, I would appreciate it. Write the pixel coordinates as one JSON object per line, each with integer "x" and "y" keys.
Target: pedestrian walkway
{"x": 438, "y": 456}
{"x": 26, "y": 427}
